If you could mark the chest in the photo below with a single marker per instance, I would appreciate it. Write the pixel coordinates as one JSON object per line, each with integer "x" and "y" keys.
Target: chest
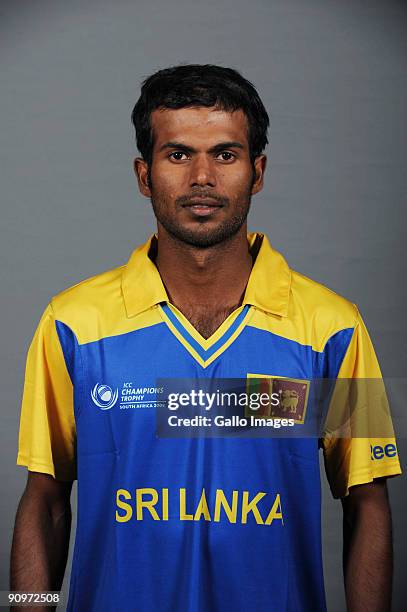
{"x": 121, "y": 373}
{"x": 206, "y": 319}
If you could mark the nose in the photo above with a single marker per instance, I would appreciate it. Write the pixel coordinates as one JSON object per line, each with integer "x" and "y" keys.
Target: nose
{"x": 202, "y": 172}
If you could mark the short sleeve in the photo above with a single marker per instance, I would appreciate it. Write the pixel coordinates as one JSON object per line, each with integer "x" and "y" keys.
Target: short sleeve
{"x": 364, "y": 447}
{"x": 47, "y": 435}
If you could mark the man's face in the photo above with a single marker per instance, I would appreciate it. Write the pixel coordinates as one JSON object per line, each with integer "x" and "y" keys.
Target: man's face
{"x": 201, "y": 176}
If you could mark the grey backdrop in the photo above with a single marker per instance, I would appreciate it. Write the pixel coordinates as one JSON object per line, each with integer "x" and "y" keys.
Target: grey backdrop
{"x": 332, "y": 74}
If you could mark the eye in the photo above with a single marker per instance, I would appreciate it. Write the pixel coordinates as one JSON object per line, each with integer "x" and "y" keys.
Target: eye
{"x": 177, "y": 155}
{"x": 226, "y": 156}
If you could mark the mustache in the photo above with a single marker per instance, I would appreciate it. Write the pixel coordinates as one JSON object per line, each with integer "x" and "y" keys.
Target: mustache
{"x": 185, "y": 199}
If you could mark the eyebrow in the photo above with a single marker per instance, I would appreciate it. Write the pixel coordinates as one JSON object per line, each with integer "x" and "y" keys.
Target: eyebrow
{"x": 230, "y": 144}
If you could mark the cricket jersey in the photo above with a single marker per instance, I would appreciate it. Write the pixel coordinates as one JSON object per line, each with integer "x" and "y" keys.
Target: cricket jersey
{"x": 195, "y": 523}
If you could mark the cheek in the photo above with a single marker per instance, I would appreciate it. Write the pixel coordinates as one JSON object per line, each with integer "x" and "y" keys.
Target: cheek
{"x": 236, "y": 179}
{"x": 164, "y": 188}
{"x": 166, "y": 179}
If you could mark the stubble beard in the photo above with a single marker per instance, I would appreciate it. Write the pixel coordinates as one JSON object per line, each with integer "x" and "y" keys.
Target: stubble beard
{"x": 205, "y": 236}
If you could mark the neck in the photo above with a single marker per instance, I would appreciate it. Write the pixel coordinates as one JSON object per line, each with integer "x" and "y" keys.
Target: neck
{"x": 206, "y": 276}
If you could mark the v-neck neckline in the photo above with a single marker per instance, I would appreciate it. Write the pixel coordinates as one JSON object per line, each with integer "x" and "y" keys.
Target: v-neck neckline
{"x": 205, "y": 342}
{"x": 205, "y": 350}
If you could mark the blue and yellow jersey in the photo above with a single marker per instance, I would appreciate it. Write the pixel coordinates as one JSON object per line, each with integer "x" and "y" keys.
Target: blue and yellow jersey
{"x": 194, "y": 523}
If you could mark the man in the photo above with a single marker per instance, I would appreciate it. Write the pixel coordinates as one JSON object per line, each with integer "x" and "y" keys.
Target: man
{"x": 195, "y": 523}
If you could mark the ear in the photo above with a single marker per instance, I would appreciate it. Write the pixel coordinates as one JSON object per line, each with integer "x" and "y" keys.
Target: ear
{"x": 141, "y": 172}
{"x": 260, "y": 163}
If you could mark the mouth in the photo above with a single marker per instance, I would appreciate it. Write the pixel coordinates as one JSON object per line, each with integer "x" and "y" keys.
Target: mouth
{"x": 202, "y": 206}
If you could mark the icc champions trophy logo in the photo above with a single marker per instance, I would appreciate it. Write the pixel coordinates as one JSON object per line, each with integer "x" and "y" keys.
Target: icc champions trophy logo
{"x": 103, "y": 396}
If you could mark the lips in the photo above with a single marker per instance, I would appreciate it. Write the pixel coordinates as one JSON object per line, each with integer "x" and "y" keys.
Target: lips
{"x": 202, "y": 202}
{"x": 201, "y": 207}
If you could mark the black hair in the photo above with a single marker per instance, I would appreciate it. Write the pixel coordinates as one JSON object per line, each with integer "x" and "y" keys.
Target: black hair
{"x": 206, "y": 85}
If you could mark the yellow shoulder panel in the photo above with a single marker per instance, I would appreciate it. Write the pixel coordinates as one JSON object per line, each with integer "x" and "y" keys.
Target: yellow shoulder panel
{"x": 94, "y": 308}
{"x": 315, "y": 313}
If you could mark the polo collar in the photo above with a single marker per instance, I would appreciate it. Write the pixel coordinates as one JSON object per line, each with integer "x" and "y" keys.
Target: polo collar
{"x": 269, "y": 282}
{"x": 268, "y": 287}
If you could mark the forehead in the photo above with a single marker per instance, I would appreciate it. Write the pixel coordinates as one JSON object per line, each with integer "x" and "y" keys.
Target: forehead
{"x": 198, "y": 124}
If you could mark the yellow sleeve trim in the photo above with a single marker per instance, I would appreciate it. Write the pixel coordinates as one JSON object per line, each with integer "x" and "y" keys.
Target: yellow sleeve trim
{"x": 368, "y": 475}
{"x": 35, "y": 466}
{"x": 44, "y": 468}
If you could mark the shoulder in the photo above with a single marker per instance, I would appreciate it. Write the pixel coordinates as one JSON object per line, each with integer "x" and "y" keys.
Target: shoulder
{"x": 90, "y": 303}
{"x": 88, "y": 291}
{"x": 320, "y": 299}
{"x": 326, "y": 311}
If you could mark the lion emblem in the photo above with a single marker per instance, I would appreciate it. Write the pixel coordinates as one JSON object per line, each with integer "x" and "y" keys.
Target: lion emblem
{"x": 289, "y": 400}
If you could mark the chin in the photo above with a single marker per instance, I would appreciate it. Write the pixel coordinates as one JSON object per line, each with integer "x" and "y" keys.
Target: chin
{"x": 205, "y": 237}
